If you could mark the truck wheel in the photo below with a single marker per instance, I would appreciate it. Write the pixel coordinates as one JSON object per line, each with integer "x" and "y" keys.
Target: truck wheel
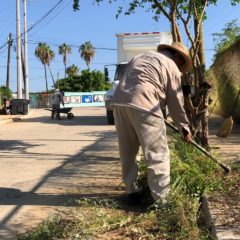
{"x": 110, "y": 118}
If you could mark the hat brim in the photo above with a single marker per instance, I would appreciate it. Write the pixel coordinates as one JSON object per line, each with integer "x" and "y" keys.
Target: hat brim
{"x": 187, "y": 67}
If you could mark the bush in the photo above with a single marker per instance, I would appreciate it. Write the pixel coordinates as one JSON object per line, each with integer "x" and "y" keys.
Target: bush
{"x": 5, "y": 92}
{"x": 88, "y": 81}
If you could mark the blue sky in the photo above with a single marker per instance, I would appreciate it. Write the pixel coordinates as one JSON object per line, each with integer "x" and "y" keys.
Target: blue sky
{"x": 92, "y": 23}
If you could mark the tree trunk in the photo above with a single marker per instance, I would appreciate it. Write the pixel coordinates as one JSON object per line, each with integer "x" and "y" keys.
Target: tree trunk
{"x": 45, "y": 69}
{"x": 51, "y": 75}
{"x": 202, "y": 90}
{"x": 65, "y": 65}
{"x": 23, "y": 71}
{"x": 204, "y": 119}
{"x": 201, "y": 48}
{"x": 175, "y": 28}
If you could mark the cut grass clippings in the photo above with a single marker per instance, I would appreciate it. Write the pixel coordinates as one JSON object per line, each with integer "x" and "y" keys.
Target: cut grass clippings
{"x": 192, "y": 174}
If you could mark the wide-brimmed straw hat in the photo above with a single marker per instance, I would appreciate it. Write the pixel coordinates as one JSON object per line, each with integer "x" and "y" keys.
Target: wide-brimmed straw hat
{"x": 182, "y": 50}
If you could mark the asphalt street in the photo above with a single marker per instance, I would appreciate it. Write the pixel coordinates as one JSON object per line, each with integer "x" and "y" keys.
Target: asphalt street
{"x": 45, "y": 162}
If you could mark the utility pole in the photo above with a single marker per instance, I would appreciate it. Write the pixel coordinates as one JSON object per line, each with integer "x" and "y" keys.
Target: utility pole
{"x": 58, "y": 80}
{"x": 18, "y": 37}
{"x": 10, "y": 41}
{"x": 26, "y": 52}
{"x": 23, "y": 71}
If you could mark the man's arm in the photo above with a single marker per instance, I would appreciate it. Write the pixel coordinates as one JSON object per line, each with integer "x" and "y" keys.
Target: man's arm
{"x": 175, "y": 102}
{"x": 61, "y": 98}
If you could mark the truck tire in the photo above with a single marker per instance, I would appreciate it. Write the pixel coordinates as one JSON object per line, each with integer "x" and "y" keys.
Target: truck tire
{"x": 110, "y": 118}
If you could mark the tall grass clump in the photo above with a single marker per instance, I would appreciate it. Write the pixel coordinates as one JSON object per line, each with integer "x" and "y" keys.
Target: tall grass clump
{"x": 192, "y": 174}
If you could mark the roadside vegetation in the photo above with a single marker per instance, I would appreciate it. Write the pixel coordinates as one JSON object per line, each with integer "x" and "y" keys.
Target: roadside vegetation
{"x": 87, "y": 81}
{"x": 5, "y": 92}
{"x": 229, "y": 35}
{"x": 224, "y": 74}
{"x": 192, "y": 175}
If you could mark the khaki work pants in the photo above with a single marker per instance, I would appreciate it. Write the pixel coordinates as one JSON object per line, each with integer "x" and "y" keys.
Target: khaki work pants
{"x": 55, "y": 110}
{"x": 137, "y": 128}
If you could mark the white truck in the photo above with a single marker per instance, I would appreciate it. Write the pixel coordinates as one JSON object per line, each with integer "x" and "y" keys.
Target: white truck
{"x": 128, "y": 46}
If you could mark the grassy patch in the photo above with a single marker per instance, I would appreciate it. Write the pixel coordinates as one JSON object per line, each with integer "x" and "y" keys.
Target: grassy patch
{"x": 192, "y": 174}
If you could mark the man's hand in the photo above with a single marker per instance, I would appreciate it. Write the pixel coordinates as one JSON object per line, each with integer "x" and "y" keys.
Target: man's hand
{"x": 186, "y": 136}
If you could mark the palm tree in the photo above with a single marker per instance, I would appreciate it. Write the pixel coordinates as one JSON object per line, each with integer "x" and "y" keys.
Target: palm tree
{"x": 45, "y": 55}
{"x": 64, "y": 49}
{"x": 87, "y": 52}
{"x": 72, "y": 71}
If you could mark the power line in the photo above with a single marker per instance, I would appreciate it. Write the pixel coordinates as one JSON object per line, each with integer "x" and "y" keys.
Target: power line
{"x": 53, "y": 16}
{"x": 72, "y": 45}
{"x": 44, "y": 16}
{"x": 38, "y": 22}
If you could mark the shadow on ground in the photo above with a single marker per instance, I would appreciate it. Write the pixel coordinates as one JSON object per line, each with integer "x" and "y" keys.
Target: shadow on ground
{"x": 77, "y": 120}
{"x": 15, "y": 145}
{"x": 93, "y": 172}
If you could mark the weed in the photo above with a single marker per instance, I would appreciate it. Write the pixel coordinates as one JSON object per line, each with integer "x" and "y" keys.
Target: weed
{"x": 192, "y": 174}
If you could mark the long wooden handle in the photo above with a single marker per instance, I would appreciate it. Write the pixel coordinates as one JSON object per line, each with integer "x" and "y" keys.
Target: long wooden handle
{"x": 226, "y": 168}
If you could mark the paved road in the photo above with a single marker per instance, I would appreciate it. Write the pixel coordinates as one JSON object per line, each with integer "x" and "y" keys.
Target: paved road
{"x": 44, "y": 162}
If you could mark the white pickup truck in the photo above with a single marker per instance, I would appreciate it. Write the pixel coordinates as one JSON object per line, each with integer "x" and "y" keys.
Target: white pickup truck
{"x": 128, "y": 46}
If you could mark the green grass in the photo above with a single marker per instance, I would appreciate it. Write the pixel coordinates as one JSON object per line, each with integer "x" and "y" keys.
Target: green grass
{"x": 192, "y": 174}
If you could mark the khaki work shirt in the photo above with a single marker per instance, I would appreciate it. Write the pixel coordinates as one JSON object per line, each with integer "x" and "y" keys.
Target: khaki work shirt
{"x": 151, "y": 81}
{"x": 57, "y": 98}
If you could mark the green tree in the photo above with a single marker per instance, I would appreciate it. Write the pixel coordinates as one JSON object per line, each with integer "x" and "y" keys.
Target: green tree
{"x": 86, "y": 82}
{"x": 75, "y": 5}
{"x": 229, "y": 35}
{"x": 64, "y": 49}
{"x": 87, "y": 52}
{"x": 72, "y": 71}
{"x": 5, "y": 92}
{"x": 45, "y": 54}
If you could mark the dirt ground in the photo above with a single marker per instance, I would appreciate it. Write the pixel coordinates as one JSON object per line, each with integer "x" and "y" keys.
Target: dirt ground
{"x": 225, "y": 206}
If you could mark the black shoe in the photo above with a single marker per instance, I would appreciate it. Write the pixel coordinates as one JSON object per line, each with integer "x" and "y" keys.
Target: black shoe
{"x": 132, "y": 198}
{"x": 147, "y": 199}
{"x": 142, "y": 197}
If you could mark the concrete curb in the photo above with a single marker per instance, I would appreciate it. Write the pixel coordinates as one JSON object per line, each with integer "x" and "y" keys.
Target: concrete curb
{"x": 5, "y": 121}
{"x": 16, "y": 117}
{"x": 216, "y": 231}
{"x": 8, "y": 232}
{"x": 207, "y": 217}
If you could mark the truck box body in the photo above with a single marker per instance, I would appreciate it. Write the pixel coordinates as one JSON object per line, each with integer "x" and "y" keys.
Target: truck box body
{"x": 130, "y": 45}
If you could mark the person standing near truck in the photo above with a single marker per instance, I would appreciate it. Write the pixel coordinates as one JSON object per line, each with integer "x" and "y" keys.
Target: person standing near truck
{"x": 57, "y": 98}
{"x": 151, "y": 81}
